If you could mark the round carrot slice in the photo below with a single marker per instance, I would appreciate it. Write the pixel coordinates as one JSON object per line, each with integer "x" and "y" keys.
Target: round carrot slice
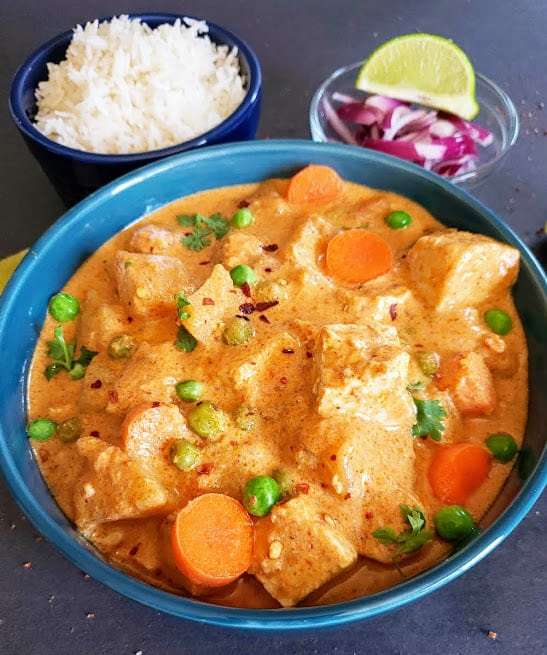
{"x": 314, "y": 183}
{"x": 356, "y": 256}
{"x": 457, "y": 470}
{"x": 213, "y": 540}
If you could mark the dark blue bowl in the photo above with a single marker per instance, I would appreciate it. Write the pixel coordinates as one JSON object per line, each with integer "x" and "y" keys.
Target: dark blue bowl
{"x": 23, "y": 307}
{"x": 75, "y": 173}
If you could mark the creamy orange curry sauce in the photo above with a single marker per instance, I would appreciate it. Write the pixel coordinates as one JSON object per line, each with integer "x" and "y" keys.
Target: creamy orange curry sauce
{"x": 328, "y": 381}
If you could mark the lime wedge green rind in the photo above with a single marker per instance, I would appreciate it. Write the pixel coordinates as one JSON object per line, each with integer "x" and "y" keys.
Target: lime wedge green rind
{"x": 425, "y": 69}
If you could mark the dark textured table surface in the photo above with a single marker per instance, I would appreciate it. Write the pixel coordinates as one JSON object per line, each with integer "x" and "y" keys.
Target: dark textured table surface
{"x": 48, "y": 606}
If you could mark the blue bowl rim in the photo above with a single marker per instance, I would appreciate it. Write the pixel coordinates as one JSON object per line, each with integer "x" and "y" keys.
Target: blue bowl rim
{"x": 513, "y": 126}
{"x": 218, "y": 35}
{"x": 276, "y": 619}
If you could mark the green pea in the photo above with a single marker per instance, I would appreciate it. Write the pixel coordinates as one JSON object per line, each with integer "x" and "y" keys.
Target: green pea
{"x": 77, "y": 372}
{"x": 398, "y": 220}
{"x": 207, "y": 420}
{"x": 243, "y": 218}
{"x": 184, "y": 454}
{"x": 121, "y": 346}
{"x": 428, "y": 362}
{"x": 498, "y": 321}
{"x": 41, "y": 429}
{"x": 244, "y": 418}
{"x": 242, "y": 274}
{"x": 268, "y": 291}
{"x": 237, "y": 331}
{"x": 502, "y": 446}
{"x": 261, "y": 493}
{"x": 189, "y": 391}
{"x": 286, "y": 482}
{"x": 453, "y": 522}
{"x": 69, "y": 430}
{"x": 64, "y": 307}
{"x": 473, "y": 533}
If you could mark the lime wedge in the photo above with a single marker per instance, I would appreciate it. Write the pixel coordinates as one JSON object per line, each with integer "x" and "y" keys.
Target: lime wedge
{"x": 425, "y": 69}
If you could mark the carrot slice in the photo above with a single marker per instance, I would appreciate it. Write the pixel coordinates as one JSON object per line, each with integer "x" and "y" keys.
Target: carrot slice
{"x": 356, "y": 256}
{"x": 457, "y": 470}
{"x": 314, "y": 183}
{"x": 213, "y": 540}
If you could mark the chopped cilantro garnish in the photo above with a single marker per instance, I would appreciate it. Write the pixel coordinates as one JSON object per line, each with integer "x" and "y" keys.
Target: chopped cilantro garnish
{"x": 415, "y": 386}
{"x": 185, "y": 341}
{"x": 203, "y": 226}
{"x": 409, "y": 540}
{"x": 181, "y": 304}
{"x": 429, "y": 416}
{"x": 62, "y": 354}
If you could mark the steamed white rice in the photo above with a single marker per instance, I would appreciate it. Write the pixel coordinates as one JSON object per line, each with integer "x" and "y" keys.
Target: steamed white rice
{"x": 125, "y": 88}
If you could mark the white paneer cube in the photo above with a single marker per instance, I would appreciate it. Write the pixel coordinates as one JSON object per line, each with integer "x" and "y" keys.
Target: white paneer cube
{"x": 452, "y": 269}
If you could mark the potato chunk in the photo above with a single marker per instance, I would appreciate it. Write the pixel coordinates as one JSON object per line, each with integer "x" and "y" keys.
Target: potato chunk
{"x": 148, "y": 284}
{"x": 212, "y": 303}
{"x": 453, "y": 269}
{"x": 113, "y": 487}
{"x": 297, "y": 549}
{"x": 469, "y": 382}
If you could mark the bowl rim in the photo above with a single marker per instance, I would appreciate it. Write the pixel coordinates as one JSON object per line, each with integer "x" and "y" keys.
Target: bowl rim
{"x": 476, "y": 175}
{"x": 276, "y": 619}
{"x": 217, "y": 33}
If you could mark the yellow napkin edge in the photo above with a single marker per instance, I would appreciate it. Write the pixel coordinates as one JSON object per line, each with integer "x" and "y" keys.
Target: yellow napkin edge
{"x": 8, "y": 265}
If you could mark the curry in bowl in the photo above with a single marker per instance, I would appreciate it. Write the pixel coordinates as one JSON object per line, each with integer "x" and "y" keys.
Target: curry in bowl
{"x": 292, "y": 392}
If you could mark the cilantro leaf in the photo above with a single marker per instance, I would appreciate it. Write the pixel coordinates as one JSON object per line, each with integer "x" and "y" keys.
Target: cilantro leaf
{"x": 181, "y": 304}
{"x": 410, "y": 540}
{"x": 197, "y": 240}
{"x": 185, "y": 341}
{"x": 203, "y": 226}
{"x": 62, "y": 354}
{"x": 218, "y": 224}
{"x": 429, "y": 416}
{"x": 415, "y": 386}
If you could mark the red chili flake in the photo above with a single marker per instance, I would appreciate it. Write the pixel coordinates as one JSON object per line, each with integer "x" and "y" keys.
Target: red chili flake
{"x": 347, "y": 496}
{"x": 246, "y": 289}
{"x": 492, "y": 634}
{"x": 393, "y": 311}
{"x": 38, "y": 538}
{"x": 263, "y": 318}
{"x": 207, "y": 301}
{"x": 333, "y": 457}
{"x": 302, "y": 488}
{"x": 206, "y": 263}
{"x": 369, "y": 515}
{"x": 288, "y": 351}
{"x": 242, "y": 204}
{"x": 309, "y": 355}
{"x": 204, "y": 469}
{"x": 113, "y": 396}
{"x": 283, "y": 380}
{"x": 263, "y": 306}
{"x": 28, "y": 565}
{"x": 418, "y": 345}
{"x": 94, "y": 433}
{"x": 130, "y": 319}
{"x": 87, "y": 576}
{"x": 96, "y": 385}
{"x": 272, "y": 247}
{"x": 156, "y": 403}
{"x": 247, "y": 308}
{"x": 134, "y": 550}
{"x": 90, "y": 615}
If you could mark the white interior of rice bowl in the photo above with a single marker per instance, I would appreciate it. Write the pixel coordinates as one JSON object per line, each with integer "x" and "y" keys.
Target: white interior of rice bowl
{"x": 125, "y": 88}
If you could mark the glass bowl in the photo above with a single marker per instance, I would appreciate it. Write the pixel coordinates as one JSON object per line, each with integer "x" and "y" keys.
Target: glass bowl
{"x": 497, "y": 114}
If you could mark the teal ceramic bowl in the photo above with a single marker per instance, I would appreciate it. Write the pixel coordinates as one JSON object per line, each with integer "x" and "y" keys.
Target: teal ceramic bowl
{"x": 97, "y": 218}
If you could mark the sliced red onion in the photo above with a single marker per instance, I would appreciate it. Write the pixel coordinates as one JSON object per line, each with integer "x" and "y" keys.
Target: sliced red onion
{"x": 438, "y": 141}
